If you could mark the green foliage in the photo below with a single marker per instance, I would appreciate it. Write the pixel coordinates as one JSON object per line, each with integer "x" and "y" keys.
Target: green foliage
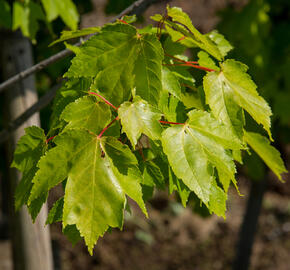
{"x": 65, "y": 9}
{"x": 116, "y": 83}
{"x": 181, "y": 26}
{"x": 262, "y": 41}
{"x": 65, "y": 35}
{"x": 268, "y": 153}
{"x": 140, "y": 118}
{"x": 29, "y": 150}
{"x": 86, "y": 113}
{"x": 117, "y": 55}
{"x": 232, "y": 89}
{"x": 194, "y": 150}
{"x": 5, "y": 14}
{"x": 27, "y": 14}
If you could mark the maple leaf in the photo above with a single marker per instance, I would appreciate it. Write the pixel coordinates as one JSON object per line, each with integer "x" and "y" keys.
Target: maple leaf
{"x": 193, "y": 150}
{"x": 179, "y": 186}
{"x": 232, "y": 89}
{"x": 29, "y": 149}
{"x": 268, "y": 153}
{"x": 139, "y": 117}
{"x": 87, "y": 113}
{"x": 65, "y": 9}
{"x": 96, "y": 185}
{"x": 170, "y": 83}
{"x": 223, "y": 45}
{"x": 116, "y": 56}
{"x": 182, "y": 27}
{"x": 65, "y": 35}
{"x": 147, "y": 68}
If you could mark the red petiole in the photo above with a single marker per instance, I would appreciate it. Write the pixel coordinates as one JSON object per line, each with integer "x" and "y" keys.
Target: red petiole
{"x": 49, "y": 139}
{"x": 188, "y": 64}
{"x": 117, "y": 118}
{"x": 182, "y": 38}
{"x": 122, "y": 21}
{"x": 106, "y": 101}
{"x": 192, "y": 62}
{"x": 112, "y": 122}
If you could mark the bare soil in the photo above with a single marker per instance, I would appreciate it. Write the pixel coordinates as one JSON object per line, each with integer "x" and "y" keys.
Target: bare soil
{"x": 183, "y": 240}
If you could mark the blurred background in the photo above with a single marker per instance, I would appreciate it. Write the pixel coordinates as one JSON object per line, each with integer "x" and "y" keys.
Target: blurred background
{"x": 174, "y": 237}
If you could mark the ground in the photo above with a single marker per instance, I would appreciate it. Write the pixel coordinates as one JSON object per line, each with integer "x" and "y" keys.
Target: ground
{"x": 174, "y": 238}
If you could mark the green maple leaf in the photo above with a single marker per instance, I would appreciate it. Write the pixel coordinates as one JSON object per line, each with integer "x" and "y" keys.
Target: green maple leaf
{"x": 5, "y": 14}
{"x": 181, "y": 26}
{"x": 232, "y": 89}
{"x": 168, "y": 105}
{"x": 269, "y": 154}
{"x": 55, "y": 213}
{"x": 192, "y": 100}
{"x": 112, "y": 46}
{"x": 26, "y": 17}
{"x": 221, "y": 100}
{"x": 72, "y": 233}
{"x": 193, "y": 150}
{"x": 170, "y": 83}
{"x": 114, "y": 57}
{"x": 176, "y": 184}
{"x": 205, "y": 60}
{"x": 29, "y": 149}
{"x": 65, "y": 9}
{"x": 87, "y": 113}
{"x": 223, "y": 45}
{"x": 140, "y": 117}
{"x": 152, "y": 175}
{"x": 115, "y": 77}
{"x": 171, "y": 96}
{"x": 217, "y": 200}
{"x": 148, "y": 68}
{"x": 96, "y": 183}
{"x": 68, "y": 93}
{"x": 66, "y": 35}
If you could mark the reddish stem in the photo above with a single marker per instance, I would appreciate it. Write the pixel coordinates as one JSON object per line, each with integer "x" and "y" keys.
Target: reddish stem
{"x": 170, "y": 123}
{"x": 49, "y": 139}
{"x": 117, "y": 118}
{"x": 199, "y": 67}
{"x": 106, "y": 101}
{"x": 191, "y": 65}
{"x": 102, "y": 132}
{"x": 122, "y": 21}
{"x": 182, "y": 38}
